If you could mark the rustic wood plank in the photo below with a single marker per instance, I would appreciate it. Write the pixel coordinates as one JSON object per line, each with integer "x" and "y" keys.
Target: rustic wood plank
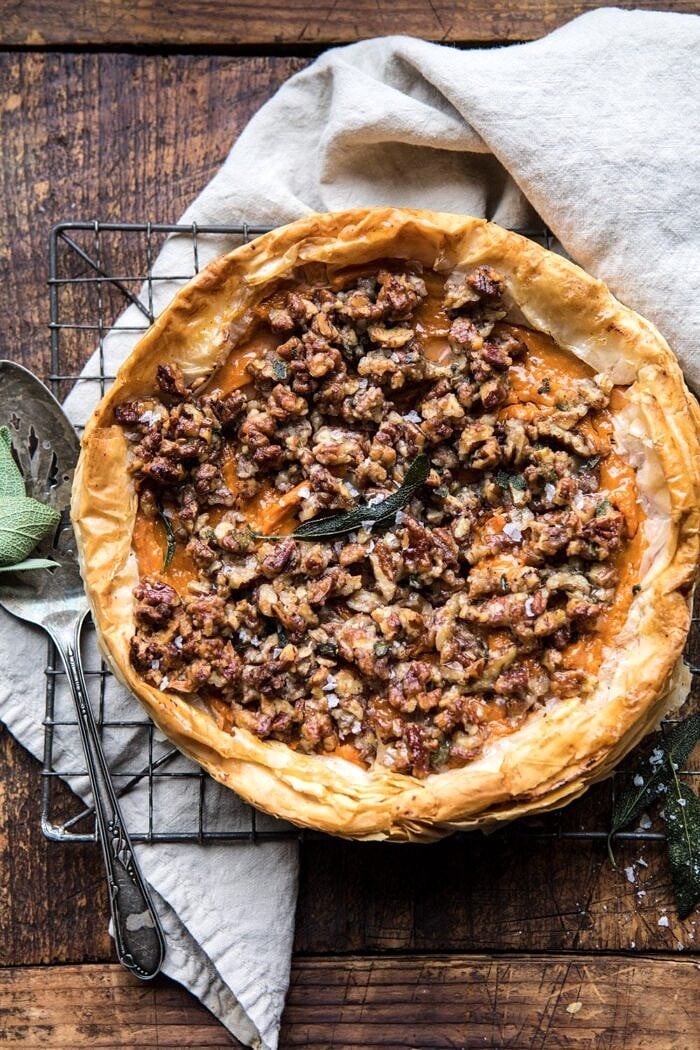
{"x": 528, "y": 1002}
{"x": 504, "y": 892}
{"x": 53, "y": 900}
{"x": 294, "y": 24}
{"x": 78, "y": 146}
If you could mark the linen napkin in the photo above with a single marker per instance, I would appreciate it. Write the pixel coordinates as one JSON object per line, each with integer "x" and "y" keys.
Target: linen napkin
{"x": 594, "y": 129}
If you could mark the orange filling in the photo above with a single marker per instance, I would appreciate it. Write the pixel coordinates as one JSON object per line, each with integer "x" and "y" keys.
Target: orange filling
{"x": 541, "y": 378}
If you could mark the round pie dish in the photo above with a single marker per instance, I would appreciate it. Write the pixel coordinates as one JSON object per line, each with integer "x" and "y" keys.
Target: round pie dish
{"x": 390, "y": 521}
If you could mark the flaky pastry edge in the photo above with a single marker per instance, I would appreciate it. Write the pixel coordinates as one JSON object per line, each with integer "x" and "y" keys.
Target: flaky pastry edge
{"x": 560, "y": 749}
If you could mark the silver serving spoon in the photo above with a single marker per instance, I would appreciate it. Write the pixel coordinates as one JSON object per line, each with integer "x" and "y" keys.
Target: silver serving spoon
{"x": 46, "y": 447}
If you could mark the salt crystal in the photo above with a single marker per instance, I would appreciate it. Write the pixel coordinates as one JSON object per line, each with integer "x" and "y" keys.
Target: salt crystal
{"x": 177, "y": 641}
{"x": 368, "y": 525}
{"x": 374, "y": 500}
{"x": 638, "y": 781}
{"x": 629, "y": 872}
{"x": 155, "y": 664}
{"x": 549, "y": 491}
{"x": 642, "y": 863}
{"x": 330, "y": 683}
{"x": 656, "y": 757}
{"x": 413, "y": 417}
{"x": 165, "y": 682}
{"x": 332, "y": 700}
{"x": 149, "y": 418}
{"x": 663, "y": 921}
{"x": 513, "y": 532}
{"x": 400, "y": 516}
{"x": 304, "y": 492}
{"x": 356, "y": 727}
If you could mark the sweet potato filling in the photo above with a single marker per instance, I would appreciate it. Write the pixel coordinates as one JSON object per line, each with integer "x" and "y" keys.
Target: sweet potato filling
{"x": 492, "y": 592}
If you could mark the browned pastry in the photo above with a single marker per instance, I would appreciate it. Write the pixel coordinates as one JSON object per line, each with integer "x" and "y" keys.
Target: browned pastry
{"x": 488, "y": 649}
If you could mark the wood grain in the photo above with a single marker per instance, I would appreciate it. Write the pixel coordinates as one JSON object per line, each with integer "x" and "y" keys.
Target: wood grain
{"x": 79, "y": 144}
{"x": 425, "y": 1001}
{"x": 108, "y": 136}
{"x": 231, "y": 24}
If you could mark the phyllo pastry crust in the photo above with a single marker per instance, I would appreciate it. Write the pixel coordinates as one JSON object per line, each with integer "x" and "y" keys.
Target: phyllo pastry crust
{"x": 391, "y": 521}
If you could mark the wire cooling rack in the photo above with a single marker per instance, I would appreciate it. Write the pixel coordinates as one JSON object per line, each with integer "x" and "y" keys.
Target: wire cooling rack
{"x": 96, "y": 270}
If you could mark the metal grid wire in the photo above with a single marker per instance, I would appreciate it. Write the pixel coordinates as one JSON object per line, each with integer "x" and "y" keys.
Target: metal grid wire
{"x": 96, "y": 270}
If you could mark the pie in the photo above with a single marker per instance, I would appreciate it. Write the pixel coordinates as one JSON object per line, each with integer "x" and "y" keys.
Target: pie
{"x": 391, "y": 522}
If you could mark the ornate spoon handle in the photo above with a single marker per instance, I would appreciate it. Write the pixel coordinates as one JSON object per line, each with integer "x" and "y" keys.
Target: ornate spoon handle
{"x": 137, "y": 931}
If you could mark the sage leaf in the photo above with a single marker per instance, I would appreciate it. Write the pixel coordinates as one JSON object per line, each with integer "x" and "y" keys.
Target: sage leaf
{"x": 350, "y": 520}
{"x": 11, "y": 480}
{"x": 29, "y": 563}
{"x": 23, "y": 523}
{"x": 169, "y": 539}
{"x": 651, "y": 777}
{"x": 682, "y": 818}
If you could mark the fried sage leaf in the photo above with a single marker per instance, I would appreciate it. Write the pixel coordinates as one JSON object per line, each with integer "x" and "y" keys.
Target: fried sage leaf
{"x": 169, "y": 539}
{"x": 657, "y": 779}
{"x": 682, "y": 818}
{"x": 651, "y": 777}
{"x": 350, "y": 520}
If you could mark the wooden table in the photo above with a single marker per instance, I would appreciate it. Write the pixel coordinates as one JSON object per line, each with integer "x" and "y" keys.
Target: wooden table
{"x": 124, "y": 111}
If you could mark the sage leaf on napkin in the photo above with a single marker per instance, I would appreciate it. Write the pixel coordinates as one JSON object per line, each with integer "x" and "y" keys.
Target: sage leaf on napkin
{"x": 350, "y": 520}
{"x": 23, "y": 521}
{"x": 11, "y": 480}
{"x": 656, "y": 779}
{"x": 29, "y": 563}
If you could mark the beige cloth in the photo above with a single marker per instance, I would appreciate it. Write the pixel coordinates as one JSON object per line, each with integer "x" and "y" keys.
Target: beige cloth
{"x": 596, "y": 129}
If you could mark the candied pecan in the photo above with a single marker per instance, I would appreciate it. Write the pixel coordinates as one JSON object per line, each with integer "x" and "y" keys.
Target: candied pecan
{"x": 400, "y": 293}
{"x": 280, "y": 321}
{"x": 464, "y": 335}
{"x": 142, "y": 414}
{"x": 171, "y": 381}
{"x": 493, "y": 392}
{"x": 164, "y": 471}
{"x": 334, "y": 447}
{"x": 156, "y": 602}
{"x": 486, "y": 282}
{"x": 418, "y": 749}
{"x": 207, "y": 612}
{"x": 148, "y": 502}
{"x": 210, "y": 487}
{"x": 390, "y": 337}
{"x": 275, "y": 558}
{"x": 228, "y": 408}
{"x": 328, "y": 492}
{"x": 201, "y": 552}
{"x": 283, "y": 403}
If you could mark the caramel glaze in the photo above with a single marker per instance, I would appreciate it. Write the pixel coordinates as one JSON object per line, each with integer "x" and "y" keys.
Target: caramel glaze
{"x": 268, "y": 512}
